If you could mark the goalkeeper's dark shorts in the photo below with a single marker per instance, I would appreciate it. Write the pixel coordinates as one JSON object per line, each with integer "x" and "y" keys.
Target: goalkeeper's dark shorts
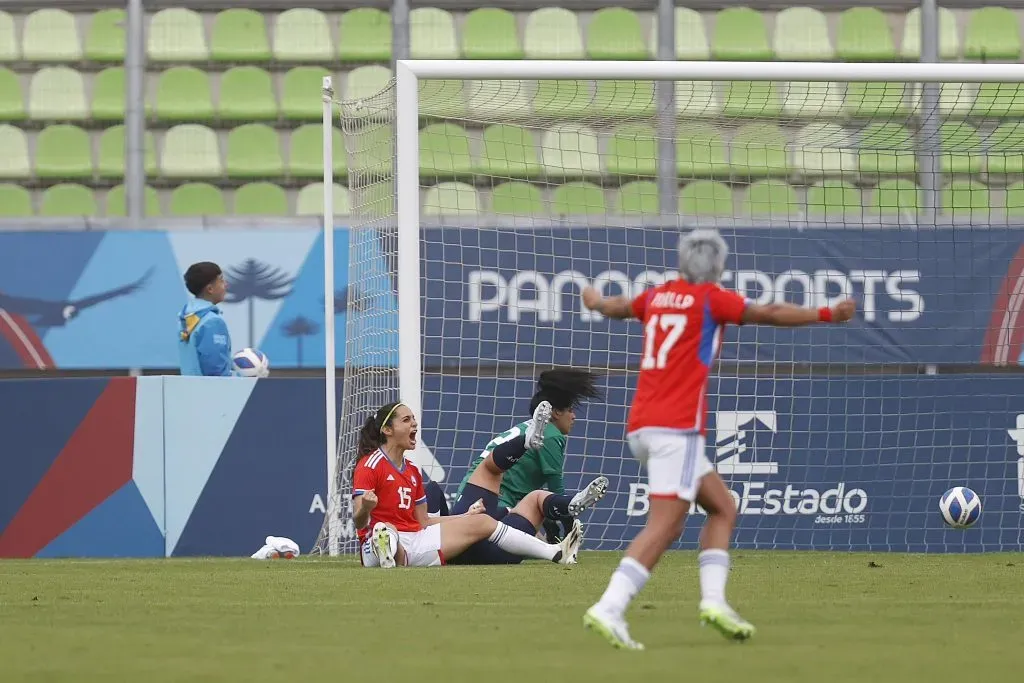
{"x": 485, "y": 552}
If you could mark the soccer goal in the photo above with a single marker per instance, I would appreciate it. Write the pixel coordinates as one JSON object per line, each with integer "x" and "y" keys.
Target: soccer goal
{"x": 485, "y": 195}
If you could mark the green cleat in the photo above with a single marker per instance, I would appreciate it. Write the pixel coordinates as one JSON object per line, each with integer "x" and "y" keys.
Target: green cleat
{"x": 724, "y": 619}
{"x": 611, "y": 628}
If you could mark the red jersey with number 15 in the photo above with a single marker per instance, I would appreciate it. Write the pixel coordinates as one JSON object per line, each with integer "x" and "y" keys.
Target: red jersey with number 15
{"x": 399, "y": 491}
{"x": 683, "y": 326}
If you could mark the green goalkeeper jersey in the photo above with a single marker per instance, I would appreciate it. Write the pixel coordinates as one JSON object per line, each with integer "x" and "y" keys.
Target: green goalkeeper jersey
{"x": 537, "y": 469}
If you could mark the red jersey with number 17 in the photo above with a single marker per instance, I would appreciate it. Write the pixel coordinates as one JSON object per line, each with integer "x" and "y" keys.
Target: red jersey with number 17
{"x": 399, "y": 491}
{"x": 683, "y": 326}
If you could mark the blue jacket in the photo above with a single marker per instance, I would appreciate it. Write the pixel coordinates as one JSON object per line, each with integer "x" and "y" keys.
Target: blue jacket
{"x": 204, "y": 344}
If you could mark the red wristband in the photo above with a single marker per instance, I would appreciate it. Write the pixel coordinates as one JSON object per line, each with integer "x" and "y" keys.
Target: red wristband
{"x": 824, "y": 314}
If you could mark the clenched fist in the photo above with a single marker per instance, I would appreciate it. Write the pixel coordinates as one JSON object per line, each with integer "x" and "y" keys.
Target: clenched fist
{"x": 844, "y": 311}
{"x": 369, "y": 500}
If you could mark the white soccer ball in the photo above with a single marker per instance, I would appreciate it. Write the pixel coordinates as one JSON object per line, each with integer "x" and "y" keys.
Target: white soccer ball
{"x": 252, "y": 363}
{"x": 960, "y": 507}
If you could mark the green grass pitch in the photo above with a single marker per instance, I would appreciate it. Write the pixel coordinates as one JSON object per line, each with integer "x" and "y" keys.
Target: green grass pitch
{"x": 829, "y": 617}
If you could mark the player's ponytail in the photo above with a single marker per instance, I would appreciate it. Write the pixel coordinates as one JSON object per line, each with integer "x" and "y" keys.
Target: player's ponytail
{"x": 565, "y": 388}
{"x": 371, "y": 436}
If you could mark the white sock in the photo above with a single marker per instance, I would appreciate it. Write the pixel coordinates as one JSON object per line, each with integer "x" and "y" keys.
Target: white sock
{"x": 714, "y": 571}
{"x": 519, "y": 543}
{"x": 629, "y": 578}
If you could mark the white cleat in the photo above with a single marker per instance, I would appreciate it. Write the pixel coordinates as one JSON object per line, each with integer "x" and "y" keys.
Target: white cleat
{"x": 383, "y": 545}
{"x": 535, "y": 430}
{"x": 588, "y": 497}
{"x": 611, "y": 628}
{"x": 570, "y": 545}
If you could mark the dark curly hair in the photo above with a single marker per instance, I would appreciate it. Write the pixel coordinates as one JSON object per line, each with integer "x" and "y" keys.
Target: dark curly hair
{"x": 565, "y": 388}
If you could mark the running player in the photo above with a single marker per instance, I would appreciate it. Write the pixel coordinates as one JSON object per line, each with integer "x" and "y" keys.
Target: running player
{"x": 683, "y": 322}
{"x": 390, "y": 506}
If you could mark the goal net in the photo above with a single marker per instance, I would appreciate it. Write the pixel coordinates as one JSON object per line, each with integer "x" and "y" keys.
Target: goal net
{"x": 521, "y": 191}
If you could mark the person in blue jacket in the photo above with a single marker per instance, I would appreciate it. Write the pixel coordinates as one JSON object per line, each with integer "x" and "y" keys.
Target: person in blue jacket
{"x": 204, "y": 343}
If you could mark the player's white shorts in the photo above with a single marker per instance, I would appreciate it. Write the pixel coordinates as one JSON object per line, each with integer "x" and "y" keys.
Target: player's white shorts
{"x": 423, "y": 548}
{"x": 675, "y": 460}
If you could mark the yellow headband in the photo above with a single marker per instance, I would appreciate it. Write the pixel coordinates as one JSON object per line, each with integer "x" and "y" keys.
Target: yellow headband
{"x": 388, "y": 417}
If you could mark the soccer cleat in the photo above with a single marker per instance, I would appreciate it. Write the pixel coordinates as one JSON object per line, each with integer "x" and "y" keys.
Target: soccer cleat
{"x": 381, "y": 546}
{"x": 588, "y": 497}
{"x": 726, "y": 621}
{"x": 535, "y": 429}
{"x": 569, "y": 548}
{"x": 611, "y": 628}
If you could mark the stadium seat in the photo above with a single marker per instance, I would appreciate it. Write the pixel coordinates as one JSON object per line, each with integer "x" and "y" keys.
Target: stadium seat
{"x": 451, "y": 199}
{"x": 961, "y": 148}
{"x": 239, "y": 35}
{"x": 637, "y": 198}
{"x": 12, "y": 103}
{"x": 310, "y": 200}
{"x": 552, "y": 33}
{"x": 697, "y": 99}
{"x": 818, "y": 99}
{"x": 570, "y": 151}
{"x": 508, "y": 99}
{"x": 508, "y": 152}
{"x": 624, "y": 99}
{"x": 432, "y": 34}
{"x": 700, "y": 152}
{"x": 50, "y": 35}
{"x": 615, "y": 33}
{"x": 705, "y": 198}
{"x": 177, "y": 35}
{"x": 752, "y": 99}
{"x": 1006, "y": 149}
{"x": 444, "y": 152}
{"x": 949, "y": 36}
{"x": 801, "y": 34}
{"x": 15, "y": 201}
{"x": 633, "y": 151}
{"x": 108, "y": 95}
{"x": 517, "y": 199}
{"x": 364, "y": 35}
{"x": 247, "y": 94}
{"x": 372, "y": 151}
{"x": 14, "y": 162}
{"x": 306, "y": 151}
{"x": 993, "y": 33}
{"x": 296, "y": 86}
{"x": 863, "y": 35}
{"x": 833, "y": 198}
{"x": 110, "y": 163}
{"x": 260, "y": 199}
{"x": 105, "y": 39}
{"x": 740, "y": 35}
{"x": 824, "y": 149}
{"x": 302, "y": 35}
{"x": 563, "y": 99}
{"x": 1015, "y": 200}
{"x": 68, "y": 199}
{"x": 578, "y": 199}
{"x": 183, "y": 94}
{"x": 442, "y": 98}
{"x": 9, "y": 48}
{"x": 117, "y": 205}
{"x": 191, "y": 151}
{"x": 774, "y": 198}
{"x": 63, "y": 151}
{"x": 197, "y": 199}
{"x": 877, "y": 100}
{"x": 999, "y": 100}
{"x": 965, "y": 198}
{"x": 759, "y": 150}
{"x": 57, "y": 93}
{"x": 362, "y": 83}
{"x": 491, "y": 33}
{"x": 254, "y": 151}
{"x": 895, "y": 197}
{"x": 887, "y": 148}
{"x": 691, "y": 39}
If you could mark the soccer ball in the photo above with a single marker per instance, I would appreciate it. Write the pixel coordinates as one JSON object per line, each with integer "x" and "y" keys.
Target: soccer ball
{"x": 251, "y": 363}
{"x": 960, "y": 507}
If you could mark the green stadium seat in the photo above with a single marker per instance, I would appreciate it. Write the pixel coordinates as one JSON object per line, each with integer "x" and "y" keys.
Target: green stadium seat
{"x": 296, "y": 86}
{"x": 570, "y": 151}
{"x": 508, "y": 152}
{"x": 1015, "y": 200}
{"x": 740, "y": 35}
{"x": 443, "y": 98}
{"x": 824, "y": 149}
{"x": 961, "y": 148}
{"x": 12, "y": 103}
{"x": 196, "y": 199}
{"x": 633, "y": 151}
{"x": 50, "y": 35}
{"x": 517, "y": 199}
{"x": 895, "y": 198}
{"x": 705, "y": 198}
{"x": 700, "y": 152}
{"x": 999, "y": 100}
{"x": 1006, "y": 149}
{"x": 965, "y": 198}
{"x": 63, "y": 151}
{"x": 9, "y": 48}
{"x": 801, "y": 34}
{"x": 239, "y": 35}
{"x": 177, "y": 35}
{"x": 691, "y": 39}
{"x": 247, "y": 94}
{"x": 863, "y": 35}
{"x": 14, "y": 162}
{"x": 758, "y": 150}
{"x": 372, "y": 151}
{"x": 117, "y": 205}
{"x": 695, "y": 99}
{"x": 993, "y": 33}
{"x": 817, "y": 100}
{"x": 626, "y": 99}
{"x": 578, "y": 199}
{"x": 15, "y": 201}
{"x": 491, "y": 33}
{"x": 261, "y": 199}
{"x": 877, "y": 100}
{"x": 105, "y": 40}
{"x": 563, "y": 99}
{"x": 364, "y": 35}
{"x": 752, "y": 99}
{"x": 190, "y": 151}
{"x": 254, "y": 151}
{"x": 949, "y": 36}
{"x": 108, "y": 95}
{"x": 508, "y": 99}
{"x": 887, "y": 148}
{"x": 305, "y": 158}
{"x": 615, "y": 33}
{"x": 833, "y": 198}
{"x": 639, "y": 197}
{"x": 451, "y": 199}
{"x": 110, "y": 163}
{"x": 432, "y": 34}
{"x": 302, "y": 35}
{"x": 310, "y": 200}
{"x": 774, "y": 198}
{"x": 552, "y": 33}
{"x": 68, "y": 199}
{"x": 362, "y": 83}
{"x": 183, "y": 94}
{"x": 57, "y": 93}
{"x": 444, "y": 152}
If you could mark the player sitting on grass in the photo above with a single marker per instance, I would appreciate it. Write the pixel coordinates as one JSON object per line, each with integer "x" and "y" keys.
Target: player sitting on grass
{"x": 683, "y": 323}
{"x": 390, "y": 506}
